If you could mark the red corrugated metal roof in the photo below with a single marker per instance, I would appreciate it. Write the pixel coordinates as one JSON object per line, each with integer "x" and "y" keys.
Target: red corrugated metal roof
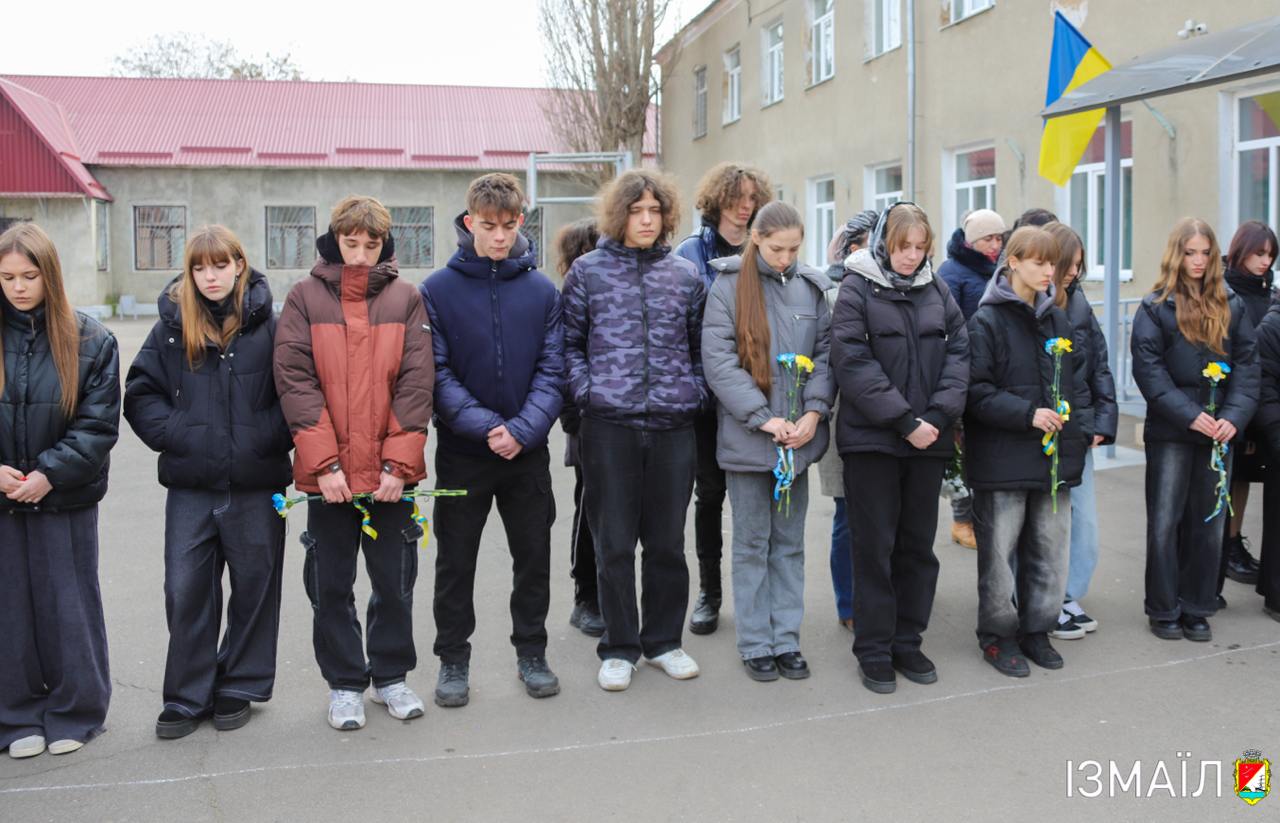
{"x": 40, "y": 154}
{"x": 120, "y": 121}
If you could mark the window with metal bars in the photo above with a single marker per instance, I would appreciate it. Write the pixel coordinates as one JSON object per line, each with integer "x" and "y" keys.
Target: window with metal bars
{"x": 159, "y": 236}
{"x": 291, "y": 236}
{"x": 413, "y": 228}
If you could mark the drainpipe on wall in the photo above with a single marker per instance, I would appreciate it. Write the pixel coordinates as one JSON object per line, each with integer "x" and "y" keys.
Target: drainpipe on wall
{"x": 910, "y": 182}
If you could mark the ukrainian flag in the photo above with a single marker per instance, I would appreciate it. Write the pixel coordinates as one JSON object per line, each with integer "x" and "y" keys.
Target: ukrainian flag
{"x": 1072, "y": 62}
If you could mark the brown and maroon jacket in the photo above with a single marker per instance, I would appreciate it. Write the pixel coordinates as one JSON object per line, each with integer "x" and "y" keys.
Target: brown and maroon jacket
{"x": 355, "y": 374}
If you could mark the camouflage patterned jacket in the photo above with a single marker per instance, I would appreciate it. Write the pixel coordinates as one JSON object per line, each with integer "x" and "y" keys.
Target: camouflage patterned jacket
{"x": 632, "y": 336}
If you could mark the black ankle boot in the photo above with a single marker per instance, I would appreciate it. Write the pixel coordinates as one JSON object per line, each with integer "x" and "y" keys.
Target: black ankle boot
{"x": 706, "y": 613}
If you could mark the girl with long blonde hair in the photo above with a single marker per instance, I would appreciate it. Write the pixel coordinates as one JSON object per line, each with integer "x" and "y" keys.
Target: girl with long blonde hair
{"x": 59, "y": 416}
{"x": 201, "y": 393}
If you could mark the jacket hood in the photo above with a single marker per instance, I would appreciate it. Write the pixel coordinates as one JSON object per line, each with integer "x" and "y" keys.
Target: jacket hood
{"x": 969, "y": 257}
{"x": 257, "y": 303}
{"x": 876, "y": 243}
{"x": 1000, "y": 290}
{"x": 864, "y": 263}
{"x": 733, "y": 265}
{"x": 327, "y": 246}
{"x": 329, "y": 267}
{"x": 522, "y": 257}
{"x": 655, "y": 252}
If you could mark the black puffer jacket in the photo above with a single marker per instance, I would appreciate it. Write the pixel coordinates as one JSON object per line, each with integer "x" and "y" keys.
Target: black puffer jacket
{"x": 1168, "y": 370}
{"x": 1097, "y": 411}
{"x": 219, "y": 426}
{"x": 1253, "y": 290}
{"x": 1011, "y": 376}
{"x": 35, "y": 434}
{"x": 897, "y": 355}
{"x": 1267, "y": 420}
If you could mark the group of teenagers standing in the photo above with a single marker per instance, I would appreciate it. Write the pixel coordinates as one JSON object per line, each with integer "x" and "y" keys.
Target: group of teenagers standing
{"x": 718, "y": 368}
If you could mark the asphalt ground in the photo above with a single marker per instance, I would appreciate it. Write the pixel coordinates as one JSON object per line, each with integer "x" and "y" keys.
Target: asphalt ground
{"x": 975, "y": 746}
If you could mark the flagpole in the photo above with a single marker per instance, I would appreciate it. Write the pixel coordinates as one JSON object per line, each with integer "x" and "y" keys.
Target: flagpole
{"x": 1111, "y": 249}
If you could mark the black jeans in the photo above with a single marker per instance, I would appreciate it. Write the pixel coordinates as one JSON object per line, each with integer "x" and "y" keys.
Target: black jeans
{"x": 1269, "y": 555}
{"x": 582, "y": 549}
{"x": 54, "y": 677}
{"x": 206, "y": 531}
{"x": 892, "y": 505}
{"x": 638, "y": 488}
{"x": 522, "y": 489}
{"x": 332, "y": 541}
{"x": 708, "y": 505}
{"x": 1183, "y": 551}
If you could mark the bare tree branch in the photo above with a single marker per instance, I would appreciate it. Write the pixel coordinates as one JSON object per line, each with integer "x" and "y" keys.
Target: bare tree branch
{"x": 196, "y": 56}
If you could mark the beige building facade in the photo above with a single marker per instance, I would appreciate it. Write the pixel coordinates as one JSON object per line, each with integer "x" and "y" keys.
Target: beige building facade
{"x": 818, "y": 93}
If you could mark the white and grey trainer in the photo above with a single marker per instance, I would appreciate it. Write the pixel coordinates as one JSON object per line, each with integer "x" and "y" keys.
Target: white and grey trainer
{"x": 346, "y": 709}
{"x": 401, "y": 702}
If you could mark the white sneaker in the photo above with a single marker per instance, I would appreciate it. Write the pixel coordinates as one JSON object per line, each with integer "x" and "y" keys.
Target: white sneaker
{"x": 346, "y": 709}
{"x": 400, "y": 701}
{"x": 676, "y": 664}
{"x": 615, "y": 674}
{"x": 65, "y": 746}
{"x": 26, "y": 747}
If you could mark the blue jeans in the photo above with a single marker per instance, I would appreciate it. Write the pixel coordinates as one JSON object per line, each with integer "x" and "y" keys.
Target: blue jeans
{"x": 1084, "y": 533}
{"x": 842, "y": 561}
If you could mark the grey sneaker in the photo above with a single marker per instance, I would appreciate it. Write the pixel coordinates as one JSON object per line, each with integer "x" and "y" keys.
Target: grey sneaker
{"x": 539, "y": 680}
{"x": 346, "y": 709}
{"x": 453, "y": 686}
{"x": 400, "y": 701}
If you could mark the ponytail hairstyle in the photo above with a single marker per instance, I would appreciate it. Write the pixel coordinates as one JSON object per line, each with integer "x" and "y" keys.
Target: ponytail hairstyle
{"x": 752, "y": 321}
{"x": 1203, "y": 313}
{"x": 209, "y": 246}
{"x": 1069, "y": 245}
{"x": 30, "y": 241}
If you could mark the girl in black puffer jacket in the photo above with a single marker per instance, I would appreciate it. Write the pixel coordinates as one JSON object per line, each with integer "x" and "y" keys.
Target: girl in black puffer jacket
{"x": 201, "y": 393}
{"x": 59, "y": 417}
{"x": 1018, "y": 513}
{"x": 1188, "y": 321}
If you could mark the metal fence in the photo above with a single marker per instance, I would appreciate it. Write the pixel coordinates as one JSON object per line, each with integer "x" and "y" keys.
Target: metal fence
{"x": 1127, "y": 394}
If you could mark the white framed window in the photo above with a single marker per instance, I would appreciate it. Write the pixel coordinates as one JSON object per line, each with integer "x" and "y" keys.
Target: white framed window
{"x": 771, "y": 74}
{"x": 159, "y": 237}
{"x": 699, "y": 102}
{"x": 102, "y": 234}
{"x": 291, "y": 236}
{"x": 883, "y": 186}
{"x": 732, "y": 84}
{"x": 884, "y": 19}
{"x": 1081, "y": 203}
{"x": 969, "y": 182}
{"x": 413, "y": 228}
{"x": 960, "y": 9}
{"x": 1256, "y": 158}
{"x": 823, "y": 36}
{"x": 781, "y": 193}
{"x": 822, "y": 218}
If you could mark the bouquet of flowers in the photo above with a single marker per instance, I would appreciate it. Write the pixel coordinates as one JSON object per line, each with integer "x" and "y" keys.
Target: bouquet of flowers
{"x": 1056, "y": 347}
{"x": 1214, "y": 373}
{"x": 796, "y": 368}
{"x": 282, "y": 505}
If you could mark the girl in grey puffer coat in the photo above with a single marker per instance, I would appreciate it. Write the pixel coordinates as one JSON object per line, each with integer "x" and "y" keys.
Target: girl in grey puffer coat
{"x": 763, "y": 305}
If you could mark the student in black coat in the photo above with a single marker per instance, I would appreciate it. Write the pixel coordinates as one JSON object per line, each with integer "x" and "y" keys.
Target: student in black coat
{"x": 201, "y": 393}
{"x": 59, "y": 418}
{"x": 1249, "y": 260}
{"x": 1267, "y": 422}
{"x": 1189, "y": 321}
{"x": 1020, "y": 517}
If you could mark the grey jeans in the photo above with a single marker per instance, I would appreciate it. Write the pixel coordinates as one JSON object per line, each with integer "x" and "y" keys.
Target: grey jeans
{"x": 1019, "y": 529}
{"x": 768, "y": 564}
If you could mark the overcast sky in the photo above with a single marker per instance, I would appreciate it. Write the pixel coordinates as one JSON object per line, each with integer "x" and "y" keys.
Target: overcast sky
{"x": 455, "y": 42}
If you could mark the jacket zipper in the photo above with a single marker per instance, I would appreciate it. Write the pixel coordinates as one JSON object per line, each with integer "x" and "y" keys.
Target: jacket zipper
{"x": 644, "y": 319}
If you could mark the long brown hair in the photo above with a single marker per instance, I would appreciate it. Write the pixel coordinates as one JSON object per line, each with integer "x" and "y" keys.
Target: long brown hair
{"x": 575, "y": 240}
{"x": 1253, "y": 237}
{"x": 752, "y": 322}
{"x": 30, "y": 241}
{"x": 1203, "y": 313}
{"x": 210, "y": 245}
{"x": 1069, "y": 245}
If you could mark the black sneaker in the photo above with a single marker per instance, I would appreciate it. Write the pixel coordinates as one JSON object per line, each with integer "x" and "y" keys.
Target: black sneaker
{"x": 586, "y": 619}
{"x": 1241, "y": 567}
{"x": 173, "y": 724}
{"x": 792, "y": 665}
{"x": 1005, "y": 655}
{"x": 706, "y": 614}
{"x": 1166, "y": 629}
{"x": 915, "y": 667}
{"x": 1037, "y": 647}
{"x": 1222, "y": 602}
{"x": 230, "y": 713}
{"x": 453, "y": 685}
{"x": 539, "y": 680}
{"x": 878, "y": 676}
{"x": 1068, "y": 628}
{"x": 1195, "y": 628}
{"x": 762, "y": 669}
